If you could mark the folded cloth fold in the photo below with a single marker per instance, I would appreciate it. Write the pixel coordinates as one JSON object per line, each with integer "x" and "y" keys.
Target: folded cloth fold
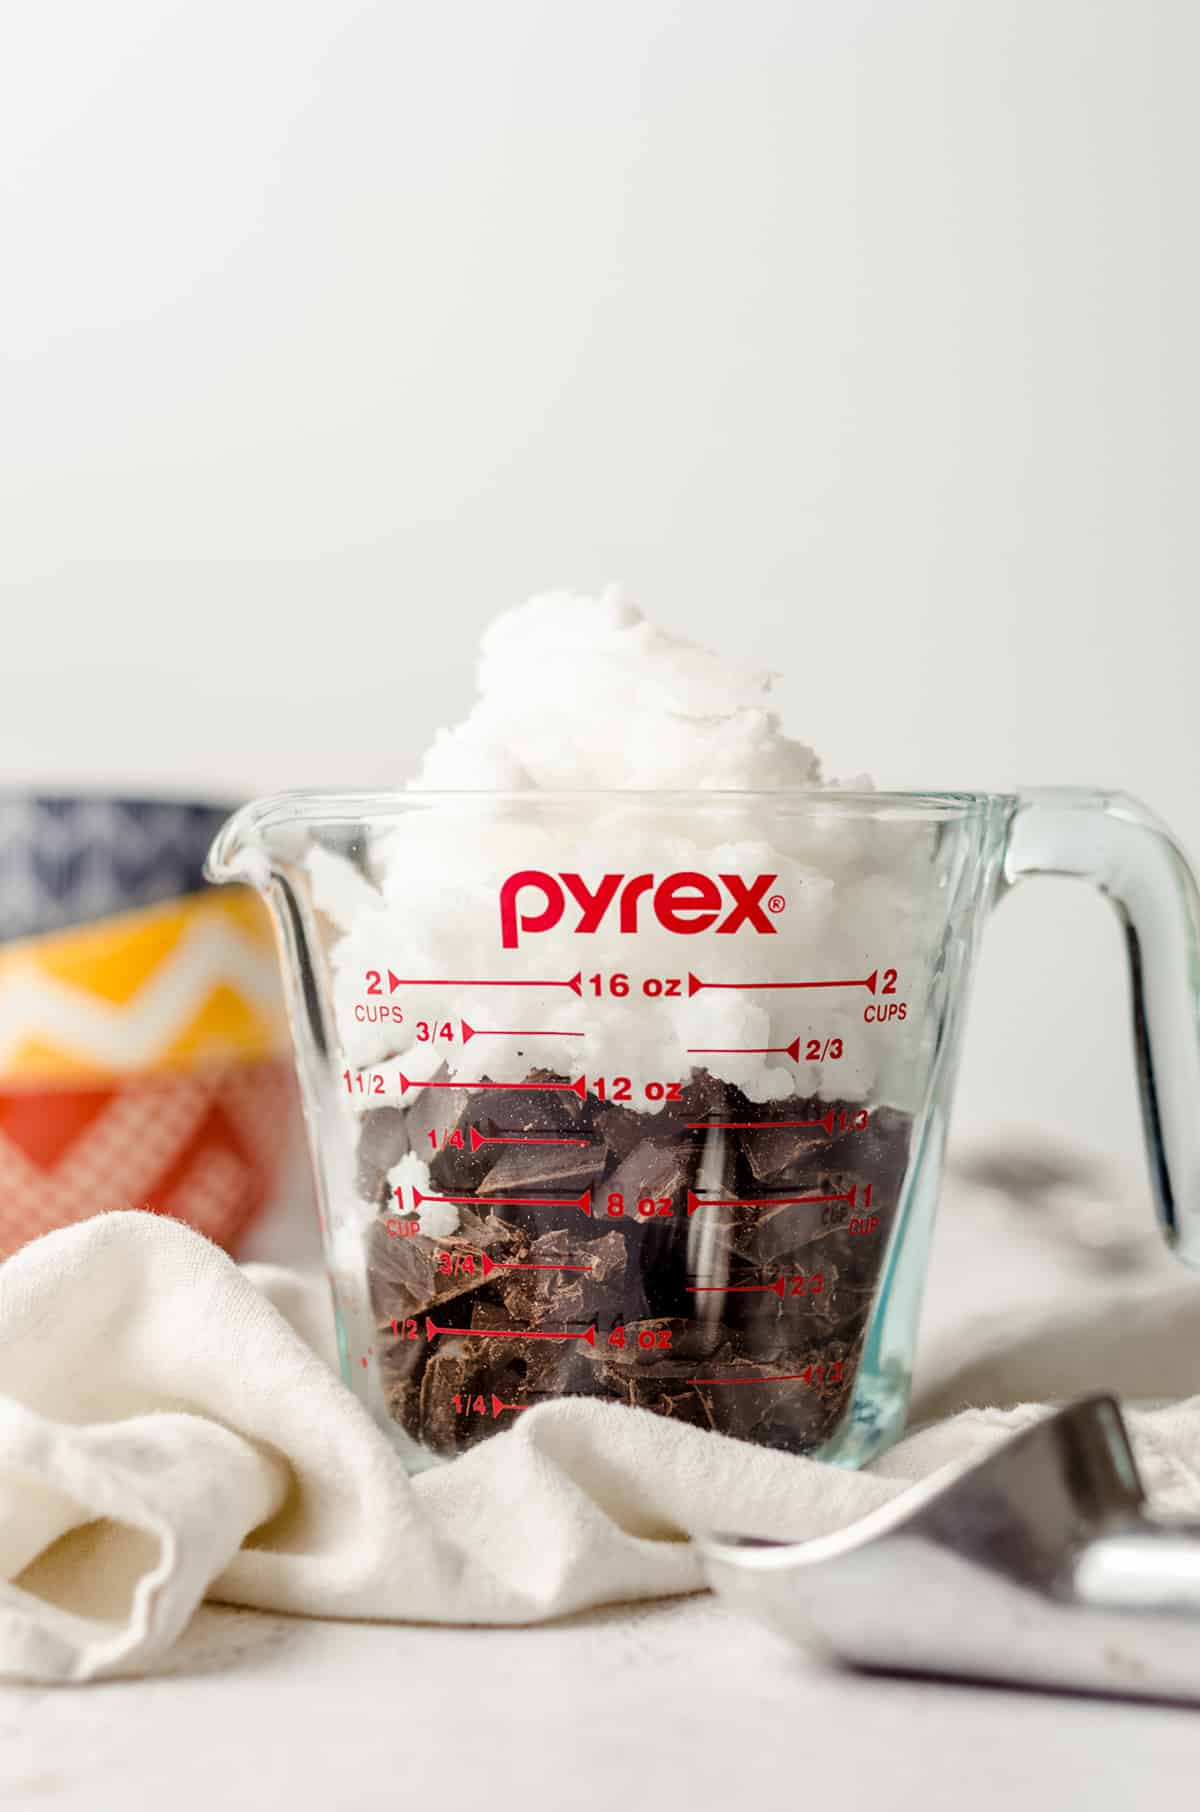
{"x": 171, "y": 1429}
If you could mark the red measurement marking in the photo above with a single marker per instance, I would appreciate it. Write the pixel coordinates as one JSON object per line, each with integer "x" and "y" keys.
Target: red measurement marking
{"x": 582, "y": 1202}
{"x": 478, "y": 1139}
{"x": 578, "y": 1087}
{"x": 702, "y": 1125}
{"x": 863, "y": 981}
{"x": 744, "y": 1050}
{"x": 499, "y": 1408}
{"x": 431, "y": 1330}
{"x": 494, "y": 1264}
{"x": 575, "y": 982}
{"x": 777, "y": 1289}
{"x": 695, "y": 1201}
{"x": 469, "y": 1032}
{"x": 772, "y": 1378}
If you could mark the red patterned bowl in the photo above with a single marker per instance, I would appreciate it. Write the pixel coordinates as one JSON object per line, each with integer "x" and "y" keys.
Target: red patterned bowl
{"x": 143, "y": 1065}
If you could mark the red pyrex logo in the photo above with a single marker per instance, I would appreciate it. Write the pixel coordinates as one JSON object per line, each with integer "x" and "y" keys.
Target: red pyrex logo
{"x": 685, "y": 902}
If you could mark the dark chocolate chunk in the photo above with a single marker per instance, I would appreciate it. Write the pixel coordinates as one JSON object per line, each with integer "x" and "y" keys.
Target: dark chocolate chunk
{"x": 704, "y": 1098}
{"x": 411, "y": 1273}
{"x": 672, "y": 1122}
{"x": 469, "y": 1144}
{"x": 382, "y": 1141}
{"x": 473, "y": 1387}
{"x": 617, "y": 1128}
{"x": 654, "y": 1172}
{"x": 561, "y": 1169}
{"x": 532, "y": 1110}
{"x": 781, "y": 1151}
{"x": 590, "y": 1284}
{"x": 459, "y": 1164}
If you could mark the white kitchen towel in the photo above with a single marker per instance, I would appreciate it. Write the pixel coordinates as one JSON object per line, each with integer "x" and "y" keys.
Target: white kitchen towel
{"x": 171, "y": 1429}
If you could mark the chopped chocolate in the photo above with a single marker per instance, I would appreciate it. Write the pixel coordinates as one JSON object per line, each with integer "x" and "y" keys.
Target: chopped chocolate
{"x": 474, "y": 1387}
{"x": 731, "y": 1240}
{"x": 460, "y": 1163}
{"x": 792, "y": 1404}
{"x": 647, "y": 1197}
{"x": 566, "y": 1279}
{"x": 674, "y": 1395}
{"x": 549, "y": 1167}
{"x": 476, "y": 1142}
{"x": 617, "y": 1128}
{"x": 621, "y": 1129}
{"x": 745, "y": 1315}
{"x": 410, "y": 1273}
{"x": 653, "y": 1172}
{"x": 781, "y": 1151}
{"x": 704, "y": 1098}
{"x": 532, "y": 1110}
{"x": 382, "y": 1142}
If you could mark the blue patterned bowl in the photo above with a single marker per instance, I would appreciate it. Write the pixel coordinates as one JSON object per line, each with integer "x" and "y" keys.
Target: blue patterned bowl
{"x": 67, "y": 860}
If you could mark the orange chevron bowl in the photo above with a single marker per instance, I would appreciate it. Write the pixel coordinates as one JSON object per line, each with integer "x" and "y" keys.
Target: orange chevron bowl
{"x": 143, "y": 1064}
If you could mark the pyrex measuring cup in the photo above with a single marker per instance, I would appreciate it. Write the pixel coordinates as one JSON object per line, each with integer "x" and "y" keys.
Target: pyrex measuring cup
{"x": 644, "y": 1096}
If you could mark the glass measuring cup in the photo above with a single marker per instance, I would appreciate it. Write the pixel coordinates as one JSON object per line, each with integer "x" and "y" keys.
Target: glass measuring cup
{"x": 644, "y": 1096}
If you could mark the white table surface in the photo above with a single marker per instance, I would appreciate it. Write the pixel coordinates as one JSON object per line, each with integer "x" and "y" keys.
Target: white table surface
{"x": 645, "y": 1709}
{"x": 681, "y": 1706}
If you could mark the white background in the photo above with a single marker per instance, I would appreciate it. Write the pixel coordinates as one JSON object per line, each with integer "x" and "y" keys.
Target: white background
{"x": 856, "y": 339}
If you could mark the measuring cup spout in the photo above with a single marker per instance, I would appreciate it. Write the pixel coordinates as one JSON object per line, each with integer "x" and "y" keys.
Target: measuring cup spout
{"x": 268, "y": 838}
{"x": 239, "y": 852}
{"x": 1114, "y": 842}
{"x": 263, "y": 846}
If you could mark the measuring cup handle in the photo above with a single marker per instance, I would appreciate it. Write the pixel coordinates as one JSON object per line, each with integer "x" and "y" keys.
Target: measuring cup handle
{"x": 1116, "y": 843}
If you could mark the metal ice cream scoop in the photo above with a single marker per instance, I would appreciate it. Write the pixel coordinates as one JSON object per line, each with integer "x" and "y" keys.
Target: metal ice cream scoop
{"x": 1039, "y": 1565}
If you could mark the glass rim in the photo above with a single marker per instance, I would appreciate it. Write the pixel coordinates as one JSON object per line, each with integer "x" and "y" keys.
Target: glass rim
{"x": 336, "y": 802}
{"x": 328, "y": 807}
